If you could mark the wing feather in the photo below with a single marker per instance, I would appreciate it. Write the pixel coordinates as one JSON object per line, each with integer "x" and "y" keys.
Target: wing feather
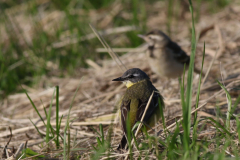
{"x": 152, "y": 108}
{"x": 178, "y": 53}
{"x": 125, "y": 108}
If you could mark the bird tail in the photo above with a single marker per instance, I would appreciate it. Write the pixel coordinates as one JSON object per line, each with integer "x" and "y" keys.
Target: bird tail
{"x": 122, "y": 143}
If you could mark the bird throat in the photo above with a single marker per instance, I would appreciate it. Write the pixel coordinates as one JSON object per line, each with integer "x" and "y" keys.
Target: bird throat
{"x": 128, "y": 83}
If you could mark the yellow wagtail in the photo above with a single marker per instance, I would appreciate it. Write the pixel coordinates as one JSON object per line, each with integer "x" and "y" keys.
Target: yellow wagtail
{"x": 135, "y": 99}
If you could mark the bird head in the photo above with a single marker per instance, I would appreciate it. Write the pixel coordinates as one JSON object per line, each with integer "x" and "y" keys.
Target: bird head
{"x": 132, "y": 76}
{"x": 155, "y": 37}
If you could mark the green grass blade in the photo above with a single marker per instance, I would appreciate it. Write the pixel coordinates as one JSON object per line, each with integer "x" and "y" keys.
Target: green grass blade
{"x": 95, "y": 131}
{"x": 68, "y": 146}
{"x": 37, "y": 129}
{"x": 181, "y": 84}
{"x": 229, "y": 100}
{"x": 49, "y": 119}
{"x": 199, "y": 83}
{"x": 135, "y": 141}
{"x": 52, "y": 129}
{"x": 162, "y": 115}
{"x": 172, "y": 144}
{"x": 238, "y": 128}
{"x": 187, "y": 108}
{"x": 67, "y": 124}
{"x": 195, "y": 124}
{"x": 57, "y": 117}
{"x": 101, "y": 131}
{"x": 235, "y": 104}
{"x": 173, "y": 141}
{"x": 60, "y": 126}
{"x": 96, "y": 155}
{"x": 35, "y": 108}
{"x": 99, "y": 142}
{"x": 218, "y": 125}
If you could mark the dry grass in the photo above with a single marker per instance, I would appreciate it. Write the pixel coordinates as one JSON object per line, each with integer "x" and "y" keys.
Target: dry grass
{"x": 97, "y": 96}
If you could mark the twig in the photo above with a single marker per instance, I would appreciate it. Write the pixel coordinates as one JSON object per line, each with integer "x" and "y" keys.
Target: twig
{"x": 54, "y": 124}
{"x": 121, "y": 49}
{"x": 205, "y": 30}
{"x": 93, "y": 64}
{"x": 209, "y": 68}
{"x": 5, "y": 148}
{"x": 73, "y": 40}
{"x": 217, "y": 85}
{"x": 220, "y": 41}
{"x": 19, "y": 150}
{"x": 110, "y": 51}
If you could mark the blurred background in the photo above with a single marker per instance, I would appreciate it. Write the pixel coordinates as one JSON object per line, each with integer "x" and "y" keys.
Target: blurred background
{"x": 52, "y": 38}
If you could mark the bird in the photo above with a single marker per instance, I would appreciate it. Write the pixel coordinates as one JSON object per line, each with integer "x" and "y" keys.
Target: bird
{"x": 166, "y": 58}
{"x": 134, "y": 101}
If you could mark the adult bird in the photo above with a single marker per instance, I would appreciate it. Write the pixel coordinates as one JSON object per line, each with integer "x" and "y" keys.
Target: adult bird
{"x": 166, "y": 58}
{"x": 135, "y": 99}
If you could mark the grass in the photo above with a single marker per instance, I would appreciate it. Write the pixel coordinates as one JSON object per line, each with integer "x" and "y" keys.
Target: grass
{"x": 179, "y": 145}
{"x": 25, "y": 61}
{"x": 176, "y": 144}
{"x": 28, "y": 68}
{"x": 188, "y": 101}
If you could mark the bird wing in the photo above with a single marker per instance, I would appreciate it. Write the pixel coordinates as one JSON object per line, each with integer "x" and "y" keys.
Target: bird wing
{"x": 129, "y": 113}
{"x": 178, "y": 53}
{"x": 151, "y": 109}
{"x": 125, "y": 107}
{"x": 134, "y": 109}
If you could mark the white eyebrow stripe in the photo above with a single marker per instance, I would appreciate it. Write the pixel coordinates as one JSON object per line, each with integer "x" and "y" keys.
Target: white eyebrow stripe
{"x": 136, "y": 74}
{"x": 157, "y": 37}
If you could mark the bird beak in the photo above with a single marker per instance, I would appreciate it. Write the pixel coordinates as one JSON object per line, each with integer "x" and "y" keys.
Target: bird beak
{"x": 118, "y": 79}
{"x": 141, "y": 36}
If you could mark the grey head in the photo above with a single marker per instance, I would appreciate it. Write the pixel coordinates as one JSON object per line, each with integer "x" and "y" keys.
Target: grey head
{"x": 155, "y": 37}
{"x": 133, "y": 75}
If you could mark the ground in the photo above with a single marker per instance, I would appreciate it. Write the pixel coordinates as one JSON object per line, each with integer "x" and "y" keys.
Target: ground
{"x": 97, "y": 96}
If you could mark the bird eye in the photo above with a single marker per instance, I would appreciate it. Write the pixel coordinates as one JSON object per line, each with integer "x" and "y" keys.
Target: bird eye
{"x": 130, "y": 76}
{"x": 150, "y": 37}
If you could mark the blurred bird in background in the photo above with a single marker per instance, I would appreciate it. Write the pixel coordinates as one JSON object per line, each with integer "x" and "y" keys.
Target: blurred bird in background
{"x": 166, "y": 58}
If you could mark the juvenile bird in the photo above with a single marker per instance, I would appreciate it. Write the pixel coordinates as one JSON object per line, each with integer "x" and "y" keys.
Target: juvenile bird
{"x": 135, "y": 99}
{"x": 166, "y": 58}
